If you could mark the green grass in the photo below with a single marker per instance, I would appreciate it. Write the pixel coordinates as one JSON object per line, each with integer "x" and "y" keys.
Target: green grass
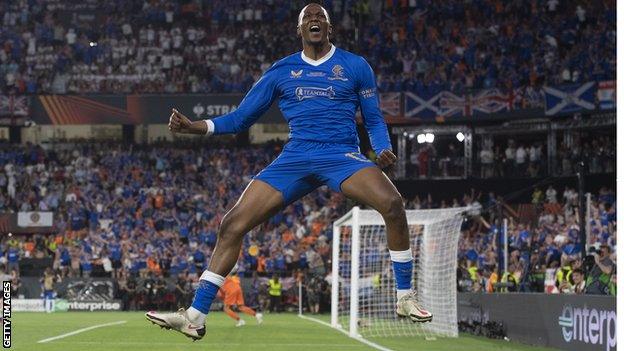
{"x": 279, "y": 332}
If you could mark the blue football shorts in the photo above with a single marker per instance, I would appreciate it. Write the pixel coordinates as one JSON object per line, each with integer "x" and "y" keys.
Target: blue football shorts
{"x": 305, "y": 165}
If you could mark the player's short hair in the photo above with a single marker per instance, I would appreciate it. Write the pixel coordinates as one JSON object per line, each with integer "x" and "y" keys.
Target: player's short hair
{"x": 300, "y": 19}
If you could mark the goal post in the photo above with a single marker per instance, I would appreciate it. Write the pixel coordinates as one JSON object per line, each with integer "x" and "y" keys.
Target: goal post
{"x": 363, "y": 292}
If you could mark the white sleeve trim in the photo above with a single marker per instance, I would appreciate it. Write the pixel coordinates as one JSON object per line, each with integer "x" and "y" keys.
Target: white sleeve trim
{"x": 209, "y": 127}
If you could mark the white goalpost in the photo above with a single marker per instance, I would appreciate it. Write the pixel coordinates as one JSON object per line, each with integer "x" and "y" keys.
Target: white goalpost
{"x": 363, "y": 288}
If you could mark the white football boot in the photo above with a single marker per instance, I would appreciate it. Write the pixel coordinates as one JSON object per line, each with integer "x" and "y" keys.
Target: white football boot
{"x": 407, "y": 307}
{"x": 259, "y": 318}
{"x": 240, "y": 322}
{"x": 177, "y": 321}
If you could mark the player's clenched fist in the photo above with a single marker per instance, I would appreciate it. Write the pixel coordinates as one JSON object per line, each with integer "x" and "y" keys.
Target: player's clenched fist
{"x": 386, "y": 158}
{"x": 178, "y": 122}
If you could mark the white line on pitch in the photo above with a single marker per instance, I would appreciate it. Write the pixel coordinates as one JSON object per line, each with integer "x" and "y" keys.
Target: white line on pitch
{"x": 80, "y": 331}
{"x": 360, "y": 339}
{"x": 202, "y": 344}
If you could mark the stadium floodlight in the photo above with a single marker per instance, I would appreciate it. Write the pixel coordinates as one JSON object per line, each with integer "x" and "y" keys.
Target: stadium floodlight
{"x": 363, "y": 286}
{"x": 421, "y": 138}
{"x": 460, "y": 136}
{"x": 92, "y": 44}
{"x": 429, "y": 137}
{"x": 411, "y": 136}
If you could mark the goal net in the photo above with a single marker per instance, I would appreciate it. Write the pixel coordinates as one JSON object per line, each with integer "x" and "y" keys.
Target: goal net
{"x": 363, "y": 287}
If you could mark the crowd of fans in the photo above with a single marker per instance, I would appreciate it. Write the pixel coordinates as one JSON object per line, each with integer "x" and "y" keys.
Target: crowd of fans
{"x": 201, "y": 46}
{"x": 150, "y": 212}
{"x": 146, "y": 213}
{"x": 544, "y": 255}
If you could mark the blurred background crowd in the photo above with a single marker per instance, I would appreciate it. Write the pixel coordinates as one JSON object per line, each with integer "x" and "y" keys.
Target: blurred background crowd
{"x": 156, "y": 46}
{"x": 152, "y": 212}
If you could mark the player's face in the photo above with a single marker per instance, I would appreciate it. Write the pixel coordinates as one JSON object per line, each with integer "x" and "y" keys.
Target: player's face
{"x": 314, "y": 26}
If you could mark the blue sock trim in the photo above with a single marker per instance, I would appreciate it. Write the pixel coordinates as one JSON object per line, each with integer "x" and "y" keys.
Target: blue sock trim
{"x": 205, "y": 293}
{"x": 403, "y": 274}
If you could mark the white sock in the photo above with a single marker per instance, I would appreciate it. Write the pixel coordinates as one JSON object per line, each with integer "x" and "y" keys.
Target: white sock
{"x": 401, "y": 256}
{"x": 195, "y": 316}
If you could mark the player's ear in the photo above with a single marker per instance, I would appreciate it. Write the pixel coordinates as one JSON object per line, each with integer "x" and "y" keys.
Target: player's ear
{"x": 330, "y": 29}
{"x": 298, "y": 31}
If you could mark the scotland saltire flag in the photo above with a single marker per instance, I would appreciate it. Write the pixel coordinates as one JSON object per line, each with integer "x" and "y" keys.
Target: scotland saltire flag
{"x": 423, "y": 106}
{"x": 569, "y": 98}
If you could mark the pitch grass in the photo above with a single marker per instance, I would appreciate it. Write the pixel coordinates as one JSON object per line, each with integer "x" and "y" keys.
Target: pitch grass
{"x": 279, "y": 332}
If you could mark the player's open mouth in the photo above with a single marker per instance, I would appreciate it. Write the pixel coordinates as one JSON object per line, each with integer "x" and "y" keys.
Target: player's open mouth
{"x": 315, "y": 28}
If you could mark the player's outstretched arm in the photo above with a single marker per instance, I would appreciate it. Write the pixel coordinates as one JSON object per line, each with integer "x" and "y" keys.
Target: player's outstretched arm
{"x": 257, "y": 101}
{"x": 179, "y": 123}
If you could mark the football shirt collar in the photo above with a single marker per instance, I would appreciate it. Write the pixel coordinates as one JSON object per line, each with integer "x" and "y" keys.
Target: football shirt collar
{"x": 321, "y": 60}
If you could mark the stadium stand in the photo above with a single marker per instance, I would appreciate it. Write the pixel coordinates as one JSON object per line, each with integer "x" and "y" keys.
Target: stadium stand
{"x": 153, "y": 211}
{"x": 211, "y": 46}
{"x": 505, "y": 108}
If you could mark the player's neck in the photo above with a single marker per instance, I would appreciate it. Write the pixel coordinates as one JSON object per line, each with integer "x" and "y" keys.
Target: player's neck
{"x": 316, "y": 52}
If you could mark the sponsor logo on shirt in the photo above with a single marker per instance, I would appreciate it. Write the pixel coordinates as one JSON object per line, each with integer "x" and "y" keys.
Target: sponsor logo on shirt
{"x": 367, "y": 93}
{"x": 338, "y": 73}
{"x": 316, "y": 74}
{"x": 312, "y": 92}
{"x": 296, "y": 74}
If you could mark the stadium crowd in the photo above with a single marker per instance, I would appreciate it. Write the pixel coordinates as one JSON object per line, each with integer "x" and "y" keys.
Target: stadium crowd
{"x": 202, "y": 46}
{"x": 544, "y": 255}
{"x": 151, "y": 212}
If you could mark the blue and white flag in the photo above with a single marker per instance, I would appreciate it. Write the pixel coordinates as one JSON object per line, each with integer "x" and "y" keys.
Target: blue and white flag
{"x": 422, "y": 106}
{"x": 569, "y": 98}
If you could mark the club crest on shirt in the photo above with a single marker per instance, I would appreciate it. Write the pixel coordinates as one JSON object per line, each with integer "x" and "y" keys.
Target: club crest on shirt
{"x": 312, "y": 92}
{"x": 296, "y": 74}
{"x": 338, "y": 73}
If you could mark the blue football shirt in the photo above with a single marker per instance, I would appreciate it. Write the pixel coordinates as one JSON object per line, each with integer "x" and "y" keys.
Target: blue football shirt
{"x": 318, "y": 98}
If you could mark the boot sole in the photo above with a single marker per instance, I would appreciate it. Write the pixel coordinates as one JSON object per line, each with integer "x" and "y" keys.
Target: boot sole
{"x": 416, "y": 319}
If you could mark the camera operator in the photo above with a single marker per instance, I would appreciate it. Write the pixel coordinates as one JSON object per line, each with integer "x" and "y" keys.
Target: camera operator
{"x": 599, "y": 276}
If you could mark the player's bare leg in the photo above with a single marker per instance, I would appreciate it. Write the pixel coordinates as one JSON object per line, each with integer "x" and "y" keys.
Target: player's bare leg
{"x": 371, "y": 187}
{"x": 258, "y": 203}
